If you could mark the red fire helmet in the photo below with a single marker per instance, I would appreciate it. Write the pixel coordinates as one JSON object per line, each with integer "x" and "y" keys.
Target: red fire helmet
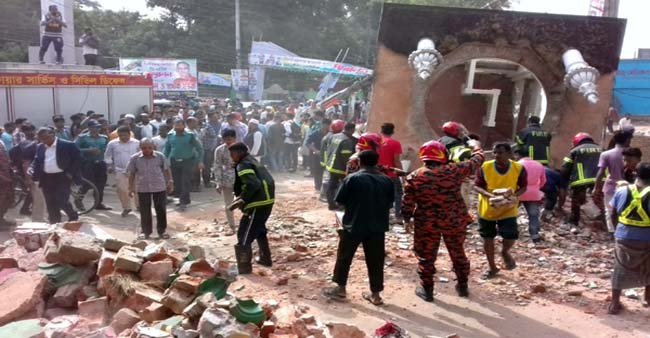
{"x": 581, "y": 137}
{"x": 369, "y": 141}
{"x": 433, "y": 151}
{"x": 451, "y": 128}
{"x": 337, "y": 126}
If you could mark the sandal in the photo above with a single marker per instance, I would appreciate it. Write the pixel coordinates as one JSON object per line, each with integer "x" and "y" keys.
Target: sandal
{"x": 143, "y": 236}
{"x": 374, "y": 300}
{"x": 164, "y": 236}
{"x": 490, "y": 274}
{"x": 334, "y": 293}
{"x": 614, "y": 309}
{"x": 509, "y": 261}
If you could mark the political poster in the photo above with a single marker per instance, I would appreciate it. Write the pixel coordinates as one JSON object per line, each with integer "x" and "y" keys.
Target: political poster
{"x": 170, "y": 76}
{"x": 239, "y": 80}
{"x": 214, "y": 79}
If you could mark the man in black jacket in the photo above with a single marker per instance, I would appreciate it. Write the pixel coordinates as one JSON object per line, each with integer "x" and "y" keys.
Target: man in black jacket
{"x": 57, "y": 164}
{"x": 536, "y": 140}
{"x": 367, "y": 196}
{"x": 255, "y": 191}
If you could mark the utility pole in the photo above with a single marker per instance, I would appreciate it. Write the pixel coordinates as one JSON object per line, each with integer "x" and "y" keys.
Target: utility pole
{"x": 237, "y": 35}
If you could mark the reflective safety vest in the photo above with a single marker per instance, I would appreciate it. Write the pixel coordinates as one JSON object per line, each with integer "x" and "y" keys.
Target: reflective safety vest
{"x": 254, "y": 184}
{"x": 340, "y": 148}
{"x": 324, "y": 148}
{"x": 582, "y": 164}
{"x": 457, "y": 150}
{"x": 537, "y": 141}
{"x": 496, "y": 180}
{"x": 635, "y": 213}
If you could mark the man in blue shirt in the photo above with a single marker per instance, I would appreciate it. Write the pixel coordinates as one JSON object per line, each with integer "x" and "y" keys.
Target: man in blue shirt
{"x": 93, "y": 146}
{"x": 7, "y": 135}
{"x": 631, "y": 206}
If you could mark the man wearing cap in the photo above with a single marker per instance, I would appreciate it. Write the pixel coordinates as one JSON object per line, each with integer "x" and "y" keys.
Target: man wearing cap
{"x": 255, "y": 140}
{"x": 93, "y": 146}
{"x": 59, "y": 128}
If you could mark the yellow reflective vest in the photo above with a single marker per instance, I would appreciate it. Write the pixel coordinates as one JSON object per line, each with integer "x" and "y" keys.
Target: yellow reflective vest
{"x": 496, "y": 180}
{"x": 635, "y": 213}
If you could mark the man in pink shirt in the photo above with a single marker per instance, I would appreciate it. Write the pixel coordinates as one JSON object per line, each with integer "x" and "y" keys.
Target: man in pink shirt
{"x": 532, "y": 198}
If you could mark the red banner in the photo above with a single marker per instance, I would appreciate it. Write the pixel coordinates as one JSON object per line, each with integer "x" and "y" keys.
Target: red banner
{"x": 62, "y": 80}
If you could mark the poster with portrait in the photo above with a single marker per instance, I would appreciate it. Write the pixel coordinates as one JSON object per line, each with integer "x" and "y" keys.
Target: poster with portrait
{"x": 170, "y": 76}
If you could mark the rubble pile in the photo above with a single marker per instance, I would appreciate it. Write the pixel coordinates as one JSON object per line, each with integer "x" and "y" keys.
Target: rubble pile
{"x": 85, "y": 287}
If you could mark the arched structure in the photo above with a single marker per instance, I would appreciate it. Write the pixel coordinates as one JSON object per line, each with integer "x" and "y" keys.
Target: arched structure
{"x": 534, "y": 41}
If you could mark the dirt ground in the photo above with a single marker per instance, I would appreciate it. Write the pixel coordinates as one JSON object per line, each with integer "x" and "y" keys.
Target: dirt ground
{"x": 303, "y": 239}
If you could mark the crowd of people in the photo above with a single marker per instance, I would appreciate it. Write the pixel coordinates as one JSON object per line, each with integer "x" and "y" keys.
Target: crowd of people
{"x": 176, "y": 150}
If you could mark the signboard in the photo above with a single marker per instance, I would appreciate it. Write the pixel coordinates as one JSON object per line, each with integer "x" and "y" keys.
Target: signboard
{"x": 632, "y": 87}
{"x": 170, "y": 76}
{"x": 239, "y": 80}
{"x": 256, "y": 83}
{"x": 295, "y": 63}
{"x": 214, "y": 79}
{"x": 67, "y": 80}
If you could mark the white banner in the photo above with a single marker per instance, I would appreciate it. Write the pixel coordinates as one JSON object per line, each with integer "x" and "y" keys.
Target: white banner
{"x": 239, "y": 80}
{"x": 256, "y": 83}
{"x": 169, "y": 75}
{"x": 300, "y": 64}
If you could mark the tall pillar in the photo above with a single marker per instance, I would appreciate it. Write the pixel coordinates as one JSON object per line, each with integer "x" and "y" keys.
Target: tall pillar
{"x": 66, "y": 7}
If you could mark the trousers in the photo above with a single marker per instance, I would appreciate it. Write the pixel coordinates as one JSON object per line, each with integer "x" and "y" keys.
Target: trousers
{"x": 38, "y": 203}
{"x": 182, "y": 171}
{"x": 95, "y": 172}
{"x": 399, "y": 191}
{"x": 533, "y": 209}
{"x": 122, "y": 181}
{"x": 252, "y": 225}
{"x": 374, "y": 250}
{"x": 90, "y": 59}
{"x": 332, "y": 187}
{"x": 229, "y": 197}
{"x": 317, "y": 171}
{"x": 159, "y": 204}
{"x": 45, "y": 45}
{"x": 426, "y": 245}
{"x": 208, "y": 161}
{"x": 56, "y": 190}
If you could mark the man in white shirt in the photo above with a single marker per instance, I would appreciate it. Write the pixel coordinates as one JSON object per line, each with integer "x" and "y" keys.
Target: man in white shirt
{"x": 161, "y": 139}
{"x": 625, "y": 122}
{"x": 147, "y": 129}
{"x": 117, "y": 156}
{"x": 89, "y": 46}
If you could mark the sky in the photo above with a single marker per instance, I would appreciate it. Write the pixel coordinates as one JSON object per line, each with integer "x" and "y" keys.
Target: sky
{"x": 635, "y": 11}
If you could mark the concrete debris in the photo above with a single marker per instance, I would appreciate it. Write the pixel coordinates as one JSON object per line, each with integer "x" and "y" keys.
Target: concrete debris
{"x": 74, "y": 248}
{"x": 33, "y": 235}
{"x": 67, "y": 296}
{"x": 21, "y": 295}
{"x": 129, "y": 258}
{"x": 176, "y": 300}
{"x": 188, "y": 284}
{"x": 341, "y": 330}
{"x": 106, "y": 264}
{"x": 157, "y": 273}
{"x": 8, "y": 263}
{"x": 155, "y": 312}
{"x": 124, "y": 319}
{"x": 113, "y": 244}
{"x": 61, "y": 326}
{"x": 95, "y": 311}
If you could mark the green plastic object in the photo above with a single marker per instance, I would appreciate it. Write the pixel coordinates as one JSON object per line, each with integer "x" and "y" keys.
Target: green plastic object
{"x": 23, "y": 328}
{"x": 247, "y": 311}
{"x": 60, "y": 274}
{"x": 216, "y": 286}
